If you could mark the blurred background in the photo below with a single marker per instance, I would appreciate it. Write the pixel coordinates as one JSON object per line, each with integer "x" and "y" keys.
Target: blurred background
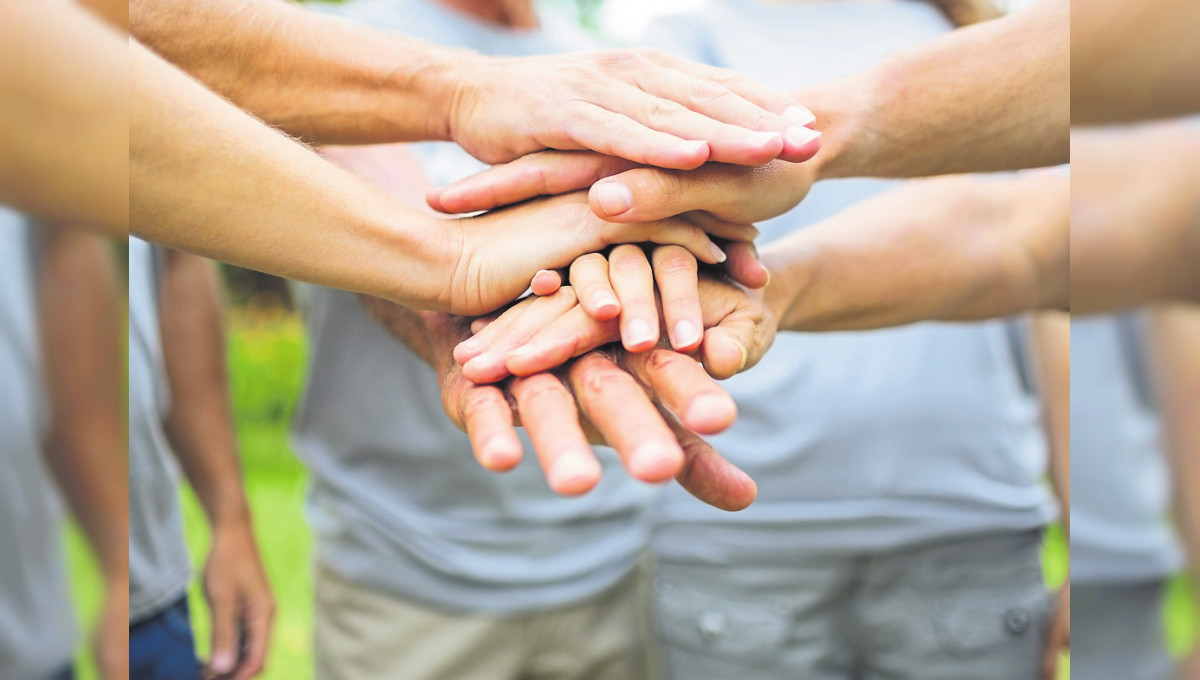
{"x": 267, "y": 357}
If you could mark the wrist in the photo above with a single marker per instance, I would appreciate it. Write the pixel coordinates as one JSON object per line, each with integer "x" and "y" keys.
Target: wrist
{"x": 791, "y": 278}
{"x": 844, "y": 110}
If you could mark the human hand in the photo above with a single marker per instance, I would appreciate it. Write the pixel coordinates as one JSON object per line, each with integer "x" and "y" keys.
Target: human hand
{"x": 110, "y": 643}
{"x": 500, "y": 251}
{"x": 734, "y": 325}
{"x": 1060, "y": 634}
{"x": 623, "y": 191}
{"x": 1190, "y": 668}
{"x": 641, "y": 105}
{"x": 240, "y": 601}
{"x": 627, "y": 403}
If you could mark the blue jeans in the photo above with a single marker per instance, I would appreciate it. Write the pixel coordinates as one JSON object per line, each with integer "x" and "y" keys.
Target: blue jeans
{"x": 162, "y": 648}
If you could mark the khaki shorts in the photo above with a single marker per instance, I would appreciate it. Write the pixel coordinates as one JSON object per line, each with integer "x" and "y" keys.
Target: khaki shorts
{"x": 366, "y": 634}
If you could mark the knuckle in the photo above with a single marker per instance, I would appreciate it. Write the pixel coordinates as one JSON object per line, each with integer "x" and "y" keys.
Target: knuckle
{"x": 540, "y": 388}
{"x": 478, "y": 400}
{"x": 600, "y": 380}
{"x": 662, "y": 109}
{"x": 674, "y": 261}
{"x": 659, "y": 359}
{"x": 618, "y": 58}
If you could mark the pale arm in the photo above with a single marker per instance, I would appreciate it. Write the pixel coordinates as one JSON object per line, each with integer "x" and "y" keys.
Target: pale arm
{"x": 951, "y": 249}
{"x": 64, "y": 115}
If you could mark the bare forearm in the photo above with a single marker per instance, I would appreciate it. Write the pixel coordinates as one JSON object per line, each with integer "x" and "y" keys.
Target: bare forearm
{"x": 344, "y": 83}
{"x": 207, "y": 178}
{"x": 989, "y": 97}
{"x": 1135, "y": 217}
{"x": 951, "y": 249}
{"x": 78, "y": 310}
{"x": 1134, "y": 60}
{"x": 64, "y": 115}
{"x": 200, "y": 422}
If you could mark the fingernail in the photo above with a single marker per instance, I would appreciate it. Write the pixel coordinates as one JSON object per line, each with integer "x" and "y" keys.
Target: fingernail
{"x": 717, "y": 254}
{"x": 686, "y": 333}
{"x": 574, "y": 474}
{"x": 614, "y": 198}
{"x": 222, "y": 662}
{"x": 480, "y": 362}
{"x": 799, "y": 136}
{"x": 694, "y": 147}
{"x": 763, "y": 138}
{"x": 497, "y": 455}
{"x": 605, "y": 302}
{"x": 638, "y": 333}
{"x": 745, "y": 356}
{"x": 799, "y": 115}
{"x": 655, "y": 462}
{"x": 708, "y": 407}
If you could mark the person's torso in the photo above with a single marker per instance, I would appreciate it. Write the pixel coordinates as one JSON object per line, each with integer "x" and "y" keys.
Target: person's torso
{"x": 398, "y": 502}
{"x": 864, "y": 440}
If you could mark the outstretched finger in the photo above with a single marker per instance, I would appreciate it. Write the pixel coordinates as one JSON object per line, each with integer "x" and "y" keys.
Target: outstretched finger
{"x": 681, "y": 385}
{"x": 676, "y": 275}
{"x": 546, "y": 173}
{"x": 624, "y": 416}
{"x": 633, "y": 281}
{"x": 707, "y": 475}
{"x": 589, "y": 278}
{"x": 488, "y": 419}
{"x": 571, "y": 335}
{"x": 489, "y": 365}
{"x": 551, "y": 417}
{"x": 753, "y": 97}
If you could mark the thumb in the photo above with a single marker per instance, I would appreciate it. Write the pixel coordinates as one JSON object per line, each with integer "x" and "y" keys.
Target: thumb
{"x": 548, "y": 173}
{"x": 725, "y": 349}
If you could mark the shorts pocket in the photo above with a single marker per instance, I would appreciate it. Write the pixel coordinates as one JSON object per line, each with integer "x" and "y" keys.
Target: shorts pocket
{"x": 979, "y": 619}
{"x": 727, "y": 625}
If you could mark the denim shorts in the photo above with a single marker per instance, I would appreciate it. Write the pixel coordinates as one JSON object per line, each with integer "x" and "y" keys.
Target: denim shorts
{"x": 162, "y": 647}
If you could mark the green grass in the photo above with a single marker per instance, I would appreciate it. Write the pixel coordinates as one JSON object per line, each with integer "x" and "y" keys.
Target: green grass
{"x": 267, "y": 353}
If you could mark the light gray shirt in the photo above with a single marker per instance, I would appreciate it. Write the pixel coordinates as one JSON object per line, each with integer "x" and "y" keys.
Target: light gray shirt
{"x": 397, "y": 500}
{"x": 1120, "y": 487}
{"x": 159, "y": 567}
{"x": 861, "y": 441}
{"x": 37, "y": 626}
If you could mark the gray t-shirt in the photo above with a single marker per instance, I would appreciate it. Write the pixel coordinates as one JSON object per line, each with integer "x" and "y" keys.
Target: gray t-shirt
{"x": 397, "y": 500}
{"x": 159, "y": 567}
{"x": 859, "y": 441}
{"x": 37, "y": 626}
{"x": 1120, "y": 488}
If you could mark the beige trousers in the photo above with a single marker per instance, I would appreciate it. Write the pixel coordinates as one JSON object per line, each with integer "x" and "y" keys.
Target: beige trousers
{"x": 366, "y": 634}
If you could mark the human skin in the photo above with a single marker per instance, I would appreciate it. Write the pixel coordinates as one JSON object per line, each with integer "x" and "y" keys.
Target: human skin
{"x": 1135, "y": 216}
{"x": 350, "y": 84}
{"x": 647, "y": 406}
{"x": 78, "y": 311}
{"x": 953, "y": 249}
{"x": 64, "y": 116}
{"x": 988, "y": 97}
{"x": 269, "y": 203}
{"x": 199, "y": 427}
